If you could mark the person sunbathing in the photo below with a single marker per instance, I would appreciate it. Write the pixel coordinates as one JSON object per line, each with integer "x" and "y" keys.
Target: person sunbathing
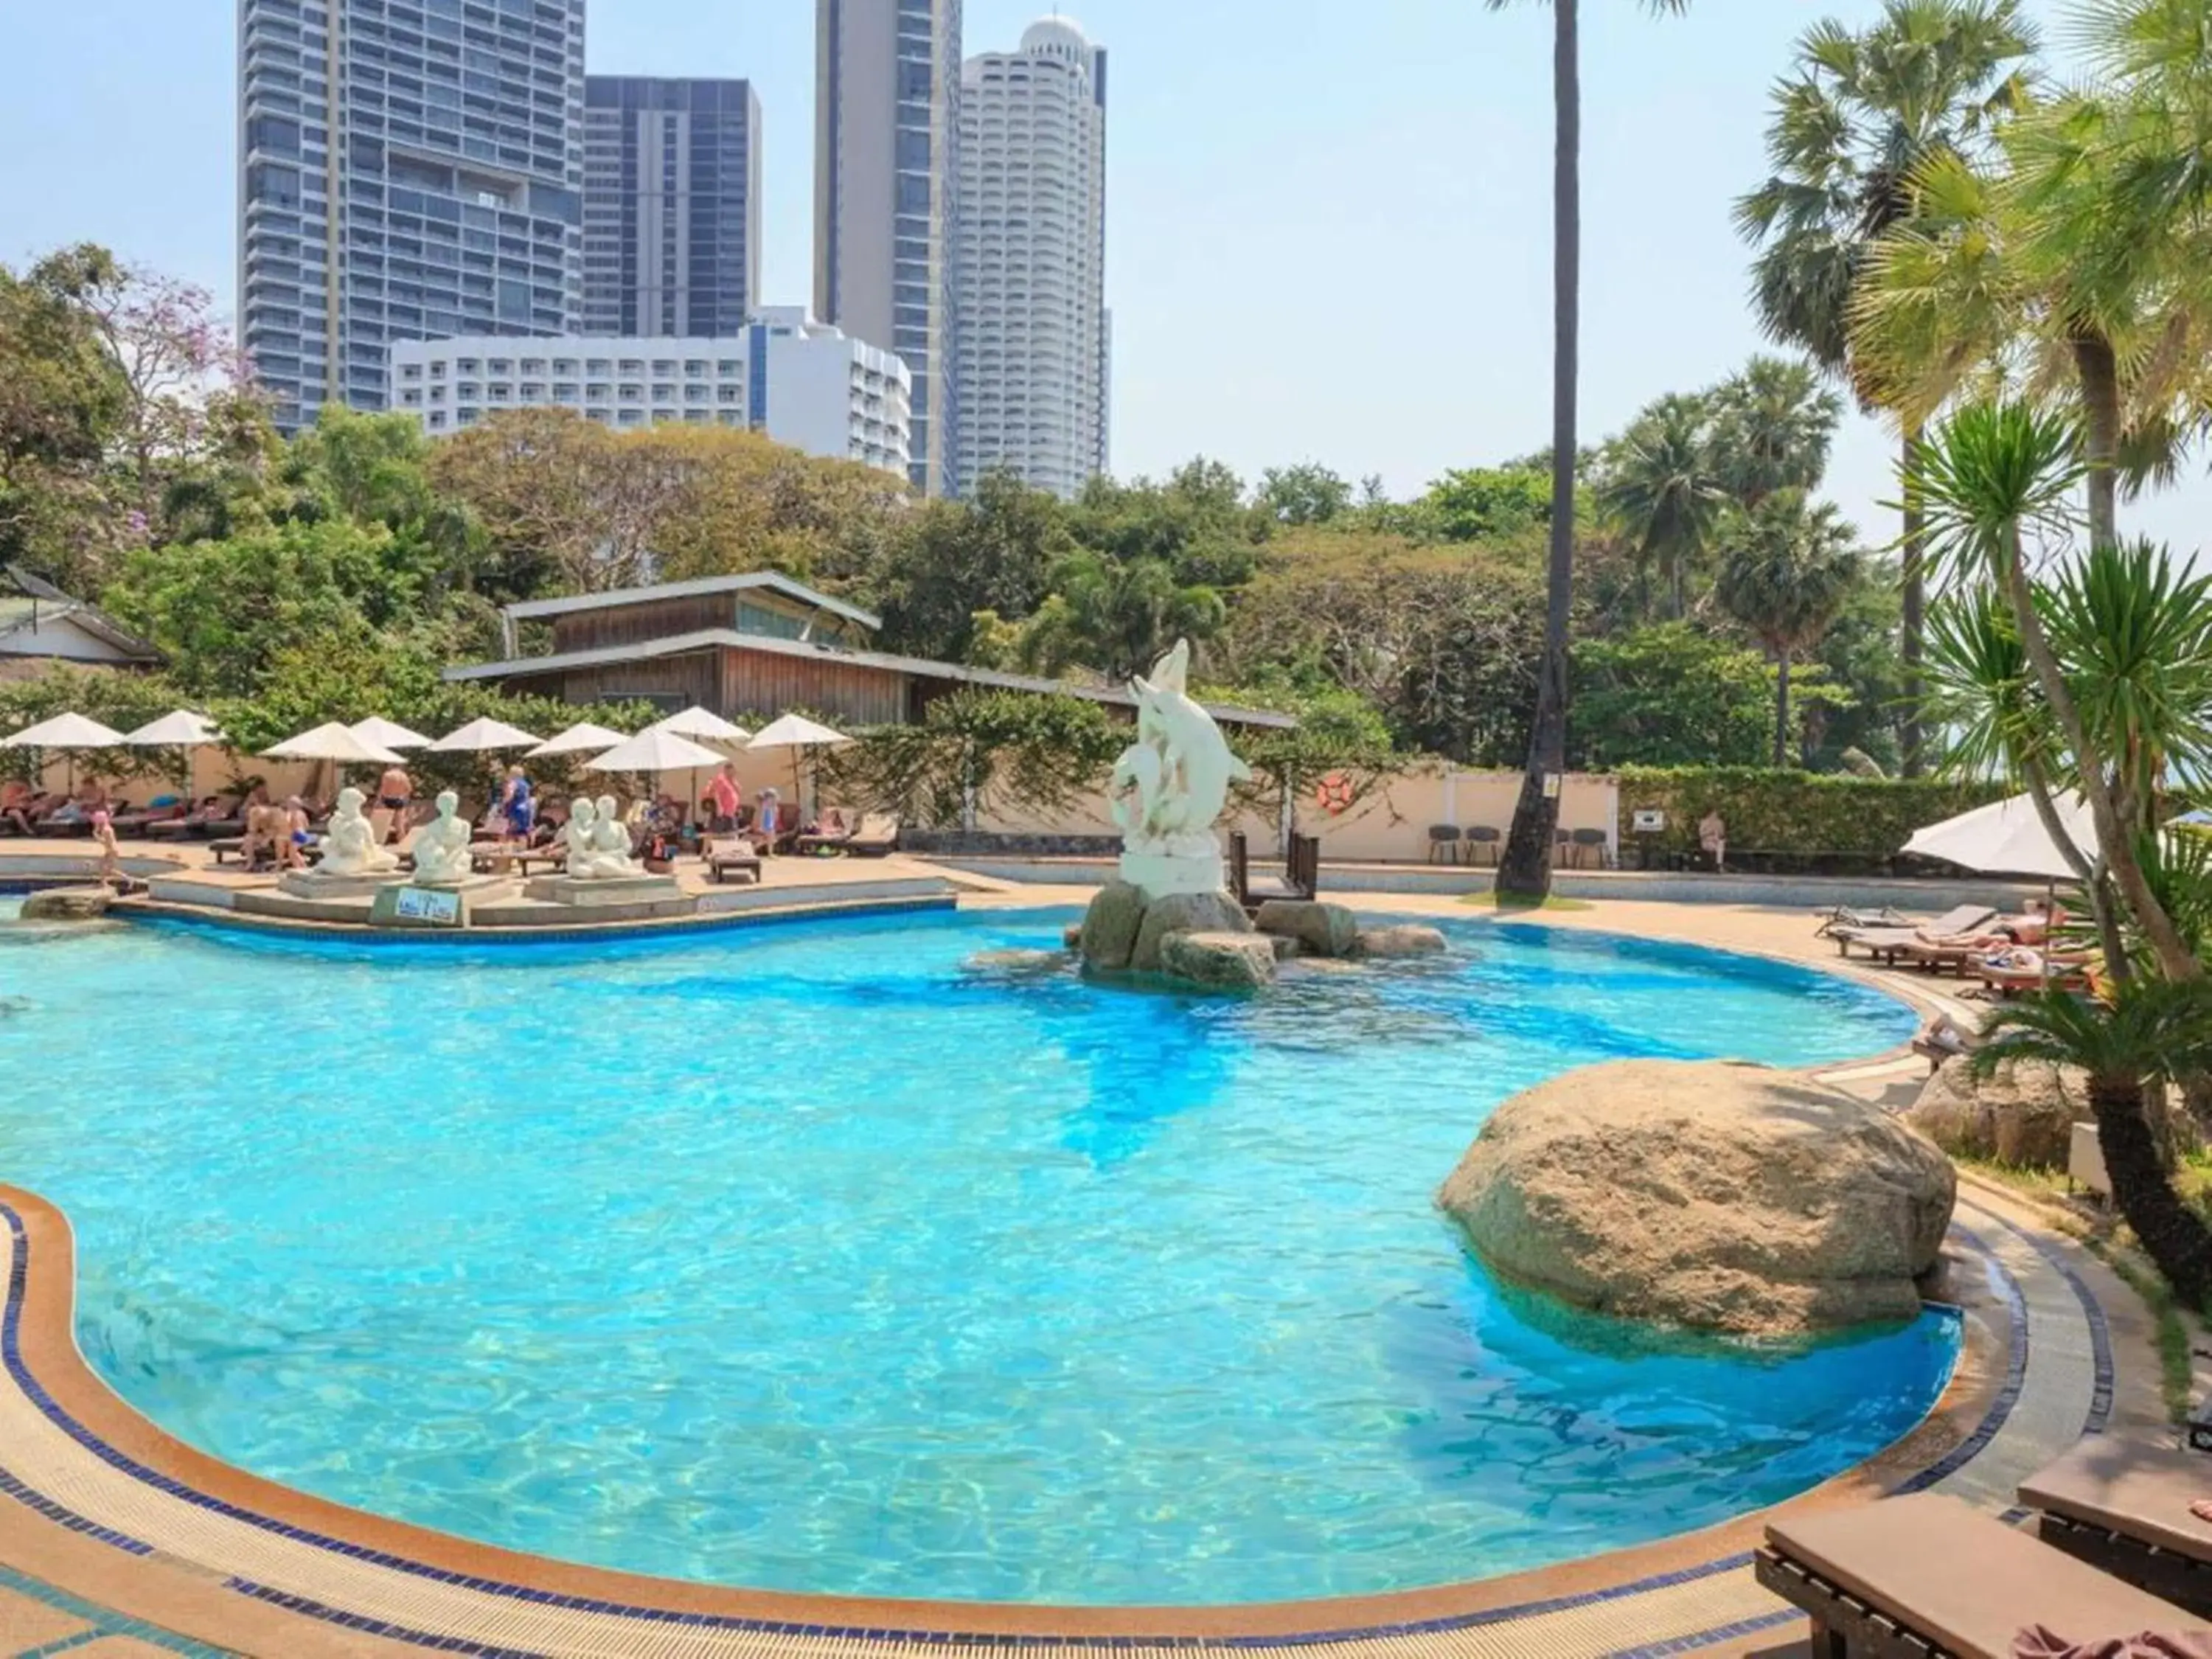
{"x": 90, "y": 799}
{"x": 20, "y": 806}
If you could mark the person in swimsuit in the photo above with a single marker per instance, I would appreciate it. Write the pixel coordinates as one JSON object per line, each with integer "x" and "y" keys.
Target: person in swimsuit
{"x": 111, "y": 855}
{"x": 395, "y": 793}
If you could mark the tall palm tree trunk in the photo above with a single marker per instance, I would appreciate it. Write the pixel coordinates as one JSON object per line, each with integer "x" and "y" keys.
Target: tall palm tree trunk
{"x": 1524, "y": 872}
{"x": 1916, "y": 605}
{"x": 2173, "y": 1236}
{"x": 1782, "y": 711}
{"x": 2098, "y": 369}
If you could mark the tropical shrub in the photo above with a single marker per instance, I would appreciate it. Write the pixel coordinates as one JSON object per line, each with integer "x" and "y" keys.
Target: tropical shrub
{"x": 1796, "y": 812}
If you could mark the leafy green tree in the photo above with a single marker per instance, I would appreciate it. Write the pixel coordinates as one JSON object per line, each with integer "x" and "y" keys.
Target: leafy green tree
{"x": 1195, "y": 523}
{"x": 1661, "y": 485}
{"x": 1786, "y": 568}
{"x": 1480, "y": 504}
{"x": 995, "y": 553}
{"x": 1116, "y": 617}
{"x": 1308, "y": 493}
{"x": 976, "y": 751}
{"x": 1524, "y": 872}
{"x": 62, "y": 402}
{"x": 1670, "y": 694}
{"x": 1850, "y": 134}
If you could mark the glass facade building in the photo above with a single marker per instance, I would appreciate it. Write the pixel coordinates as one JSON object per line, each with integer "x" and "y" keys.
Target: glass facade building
{"x": 887, "y": 110}
{"x": 409, "y": 168}
{"x": 671, "y": 205}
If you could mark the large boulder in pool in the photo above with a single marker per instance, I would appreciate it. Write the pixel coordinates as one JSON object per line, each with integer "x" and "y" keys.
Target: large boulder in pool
{"x": 66, "y": 904}
{"x": 1712, "y": 1194}
{"x": 1320, "y": 929}
{"x": 1108, "y": 935}
{"x": 1219, "y": 962}
{"x": 1183, "y": 913}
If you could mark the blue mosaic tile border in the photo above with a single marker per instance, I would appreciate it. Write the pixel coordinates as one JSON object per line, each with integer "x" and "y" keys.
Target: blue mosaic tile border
{"x": 2099, "y": 1415}
{"x": 11, "y": 1354}
{"x": 1707, "y": 1638}
{"x": 2015, "y": 1377}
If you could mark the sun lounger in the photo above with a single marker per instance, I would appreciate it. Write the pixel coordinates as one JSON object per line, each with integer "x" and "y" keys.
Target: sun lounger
{"x": 1845, "y": 915}
{"x": 737, "y": 862}
{"x": 2123, "y": 1506}
{"x": 2020, "y": 968}
{"x": 1889, "y": 942}
{"x": 1938, "y": 957}
{"x": 876, "y": 837}
{"x": 1927, "y": 1575}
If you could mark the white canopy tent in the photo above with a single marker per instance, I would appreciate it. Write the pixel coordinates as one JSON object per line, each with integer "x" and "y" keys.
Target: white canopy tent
{"x": 67, "y": 732}
{"x": 389, "y": 734}
{"x": 2008, "y": 838}
{"x": 179, "y": 729}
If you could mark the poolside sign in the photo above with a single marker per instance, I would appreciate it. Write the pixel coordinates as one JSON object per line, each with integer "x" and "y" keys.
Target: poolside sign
{"x": 418, "y": 907}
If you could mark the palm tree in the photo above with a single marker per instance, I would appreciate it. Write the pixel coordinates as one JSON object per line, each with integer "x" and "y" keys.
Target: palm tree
{"x": 1991, "y": 476}
{"x": 1773, "y": 424}
{"x": 2152, "y": 1032}
{"x": 1661, "y": 487}
{"x": 1850, "y": 134}
{"x": 1786, "y": 571}
{"x": 1524, "y": 870}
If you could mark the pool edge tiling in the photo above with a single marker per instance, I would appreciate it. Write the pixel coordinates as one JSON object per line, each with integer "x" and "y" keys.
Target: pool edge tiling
{"x": 2036, "y": 1372}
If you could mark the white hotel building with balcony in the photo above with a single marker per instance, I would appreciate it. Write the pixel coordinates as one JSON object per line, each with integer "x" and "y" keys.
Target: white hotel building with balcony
{"x": 801, "y": 382}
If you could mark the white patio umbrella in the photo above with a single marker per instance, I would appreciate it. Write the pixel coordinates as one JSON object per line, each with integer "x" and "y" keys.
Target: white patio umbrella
{"x": 581, "y": 739}
{"x": 391, "y": 734}
{"x": 179, "y": 729}
{"x": 68, "y": 732}
{"x": 2007, "y": 838}
{"x": 484, "y": 734}
{"x": 653, "y": 750}
{"x": 703, "y": 724}
{"x": 336, "y": 742}
{"x": 796, "y": 732}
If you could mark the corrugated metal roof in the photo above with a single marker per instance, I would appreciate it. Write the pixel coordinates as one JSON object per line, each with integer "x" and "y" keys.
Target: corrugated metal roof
{"x": 26, "y": 600}
{"x": 920, "y": 667}
{"x": 617, "y": 598}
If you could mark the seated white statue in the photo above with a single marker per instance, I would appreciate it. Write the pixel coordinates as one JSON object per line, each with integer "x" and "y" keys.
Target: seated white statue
{"x": 351, "y": 846}
{"x": 442, "y": 846}
{"x": 607, "y": 846}
{"x": 575, "y": 837}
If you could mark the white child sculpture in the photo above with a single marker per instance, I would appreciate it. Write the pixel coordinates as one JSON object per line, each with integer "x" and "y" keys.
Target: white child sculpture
{"x": 442, "y": 846}
{"x": 350, "y": 846}
{"x": 609, "y": 843}
{"x": 575, "y": 836}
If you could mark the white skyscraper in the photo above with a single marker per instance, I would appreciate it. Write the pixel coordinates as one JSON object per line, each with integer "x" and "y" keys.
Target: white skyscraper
{"x": 1030, "y": 355}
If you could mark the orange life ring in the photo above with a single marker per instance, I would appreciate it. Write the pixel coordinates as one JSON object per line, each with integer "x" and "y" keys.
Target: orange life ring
{"x": 1332, "y": 794}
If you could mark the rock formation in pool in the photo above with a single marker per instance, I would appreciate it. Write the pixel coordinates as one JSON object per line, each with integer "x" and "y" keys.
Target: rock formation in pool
{"x": 1717, "y": 1195}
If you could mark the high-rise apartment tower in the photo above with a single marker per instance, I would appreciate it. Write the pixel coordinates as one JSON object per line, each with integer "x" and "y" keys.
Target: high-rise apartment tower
{"x": 672, "y": 206}
{"x": 1031, "y": 372}
{"x": 408, "y": 168}
{"x": 886, "y": 176}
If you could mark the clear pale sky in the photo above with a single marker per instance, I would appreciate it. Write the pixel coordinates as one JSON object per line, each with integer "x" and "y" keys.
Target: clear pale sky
{"x": 1329, "y": 224}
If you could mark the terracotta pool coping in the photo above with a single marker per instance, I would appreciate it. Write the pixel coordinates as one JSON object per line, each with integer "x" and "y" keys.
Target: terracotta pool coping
{"x": 42, "y": 1354}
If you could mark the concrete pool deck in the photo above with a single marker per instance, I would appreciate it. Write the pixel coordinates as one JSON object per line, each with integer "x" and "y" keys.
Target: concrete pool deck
{"x": 140, "y": 1540}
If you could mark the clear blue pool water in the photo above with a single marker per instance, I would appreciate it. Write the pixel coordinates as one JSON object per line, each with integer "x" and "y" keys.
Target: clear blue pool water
{"x": 803, "y": 1258}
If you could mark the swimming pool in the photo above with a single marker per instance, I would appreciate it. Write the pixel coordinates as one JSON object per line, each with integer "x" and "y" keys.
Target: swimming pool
{"x": 802, "y": 1257}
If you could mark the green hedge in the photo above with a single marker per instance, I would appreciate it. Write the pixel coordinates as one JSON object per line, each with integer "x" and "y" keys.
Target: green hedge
{"x": 1794, "y": 811}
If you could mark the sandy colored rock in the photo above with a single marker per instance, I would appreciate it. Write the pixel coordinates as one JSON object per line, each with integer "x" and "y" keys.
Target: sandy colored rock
{"x": 1322, "y": 930}
{"x": 1184, "y": 913}
{"x": 1405, "y": 939}
{"x": 1109, "y": 926}
{"x": 2023, "y": 1114}
{"x": 66, "y": 904}
{"x": 1219, "y": 961}
{"x": 1712, "y": 1194}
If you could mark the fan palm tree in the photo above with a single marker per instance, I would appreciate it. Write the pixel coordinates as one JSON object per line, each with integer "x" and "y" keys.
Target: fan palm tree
{"x": 1851, "y": 131}
{"x": 1785, "y": 573}
{"x": 2152, "y": 1032}
{"x": 1773, "y": 424}
{"x": 1524, "y": 870}
{"x": 2081, "y": 267}
{"x": 1661, "y": 488}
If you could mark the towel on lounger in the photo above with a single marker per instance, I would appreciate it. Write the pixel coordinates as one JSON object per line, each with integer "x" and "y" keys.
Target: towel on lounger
{"x": 2041, "y": 1642}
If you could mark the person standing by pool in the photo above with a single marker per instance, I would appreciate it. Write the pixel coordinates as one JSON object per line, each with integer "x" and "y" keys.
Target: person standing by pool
{"x": 111, "y": 855}
{"x": 516, "y": 811}
{"x": 764, "y": 821}
{"x": 1712, "y": 836}
{"x": 723, "y": 798}
{"x": 395, "y": 793}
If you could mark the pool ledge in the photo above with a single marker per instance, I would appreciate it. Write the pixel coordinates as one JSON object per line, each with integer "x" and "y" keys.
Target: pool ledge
{"x": 108, "y": 1506}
